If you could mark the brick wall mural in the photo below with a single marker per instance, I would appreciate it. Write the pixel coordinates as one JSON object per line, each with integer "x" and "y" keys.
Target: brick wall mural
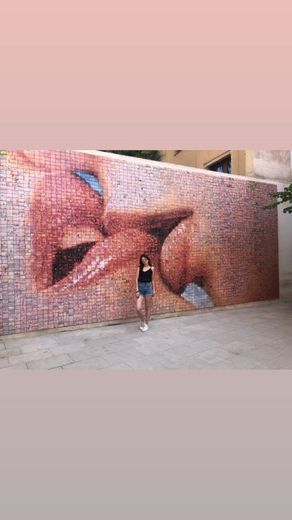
{"x": 73, "y": 226}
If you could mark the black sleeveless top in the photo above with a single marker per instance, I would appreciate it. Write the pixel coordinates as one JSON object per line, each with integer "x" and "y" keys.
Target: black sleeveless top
{"x": 145, "y": 276}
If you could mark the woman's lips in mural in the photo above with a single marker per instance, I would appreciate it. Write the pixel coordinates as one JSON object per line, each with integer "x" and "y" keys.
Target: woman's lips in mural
{"x": 106, "y": 256}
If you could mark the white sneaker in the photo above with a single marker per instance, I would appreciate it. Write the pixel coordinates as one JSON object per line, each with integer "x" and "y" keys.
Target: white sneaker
{"x": 145, "y": 328}
{"x": 142, "y": 326}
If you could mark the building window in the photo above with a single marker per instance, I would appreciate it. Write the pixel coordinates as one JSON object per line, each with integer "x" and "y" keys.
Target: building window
{"x": 222, "y": 165}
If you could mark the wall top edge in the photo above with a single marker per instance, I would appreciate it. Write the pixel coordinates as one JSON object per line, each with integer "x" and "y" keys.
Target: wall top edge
{"x": 176, "y": 167}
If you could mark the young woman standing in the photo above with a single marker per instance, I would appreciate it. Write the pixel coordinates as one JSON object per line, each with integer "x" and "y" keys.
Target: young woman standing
{"x": 145, "y": 289}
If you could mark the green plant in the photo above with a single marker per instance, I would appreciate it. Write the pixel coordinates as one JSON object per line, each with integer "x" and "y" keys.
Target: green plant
{"x": 284, "y": 197}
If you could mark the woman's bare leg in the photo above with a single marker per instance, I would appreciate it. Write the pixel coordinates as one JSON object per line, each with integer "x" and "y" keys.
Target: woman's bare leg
{"x": 148, "y": 306}
{"x": 139, "y": 309}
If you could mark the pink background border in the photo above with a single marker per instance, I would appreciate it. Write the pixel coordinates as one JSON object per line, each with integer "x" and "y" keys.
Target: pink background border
{"x": 120, "y": 75}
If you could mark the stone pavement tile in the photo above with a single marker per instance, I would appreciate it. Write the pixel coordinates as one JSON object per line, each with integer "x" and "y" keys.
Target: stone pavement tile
{"x": 111, "y": 331}
{"x": 80, "y": 351}
{"x": 134, "y": 358}
{"x": 79, "y": 343}
{"x": 284, "y": 345}
{"x": 86, "y": 333}
{"x": 15, "y": 351}
{"x": 242, "y": 316}
{"x": 162, "y": 342}
{"x": 25, "y": 358}
{"x": 238, "y": 362}
{"x": 280, "y": 352}
{"x": 214, "y": 355}
{"x": 229, "y": 336}
{"x": 258, "y": 341}
{"x": 31, "y": 349}
{"x": 196, "y": 325}
{"x": 158, "y": 360}
{"x": 178, "y": 353}
{"x": 65, "y": 349}
{"x": 111, "y": 346}
{"x": 287, "y": 333}
{"x": 271, "y": 334}
{"x": 224, "y": 332}
{"x": 247, "y": 364}
{"x": 281, "y": 362}
{"x": 201, "y": 335}
{"x": 113, "y": 358}
{"x": 237, "y": 347}
{"x": 151, "y": 362}
{"x": 51, "y": 362}
{"x": 85, "y": 353}
{"x": 84, "y": 346}
{"x": 285, "y": 340}
{"x": 2, "y": 346}
{"x": 263, "y": 353}
{"x": 188, "y": 333}
{"x": 68, "y": 338}
{"x": 200, "y": 345}
{"x": 101, "y": 333}
{"x": 249, "y": 321}
{"x": 18, "y": 366}
{"x": 3, "y": 362}
{"x": 30, "y": 344}
{"x": 120, "y": 366}
{"x": 192, "y": 362}
{"x": 276, "y": 322}
{"x": 87, "y": 364}
{"x": 213, "y": 334}
{"x": 185, "y": 363}
{"x": 148, "y": 346}
{"x": 284, "y": 353}
{"x": 129, "y": 330}
{"x": 167, "y": 364}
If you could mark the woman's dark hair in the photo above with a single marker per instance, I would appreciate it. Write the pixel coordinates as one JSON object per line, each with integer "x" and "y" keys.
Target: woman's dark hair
{"x": 141, "y": 263}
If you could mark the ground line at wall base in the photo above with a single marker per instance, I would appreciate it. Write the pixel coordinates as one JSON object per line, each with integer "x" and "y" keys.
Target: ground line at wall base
{"x": 93, "y": 325}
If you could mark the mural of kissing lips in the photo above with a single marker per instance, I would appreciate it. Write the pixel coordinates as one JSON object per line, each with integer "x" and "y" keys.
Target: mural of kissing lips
{"x": 77, "y": 223}
{"x": 78, "y": 246}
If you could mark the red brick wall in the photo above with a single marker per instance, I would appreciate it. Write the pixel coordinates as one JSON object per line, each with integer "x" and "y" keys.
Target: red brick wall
{"x": 73, "y": 227}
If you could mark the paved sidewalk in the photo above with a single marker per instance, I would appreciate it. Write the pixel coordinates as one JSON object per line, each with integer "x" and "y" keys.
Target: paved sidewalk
{"x": 254, "y": 336}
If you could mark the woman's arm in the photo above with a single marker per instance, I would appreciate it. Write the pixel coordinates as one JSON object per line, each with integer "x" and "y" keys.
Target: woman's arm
{"x": 153, "y": 281}
{"x": 137, "y": 277}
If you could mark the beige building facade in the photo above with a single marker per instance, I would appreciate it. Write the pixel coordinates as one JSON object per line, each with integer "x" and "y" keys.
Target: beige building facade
{"x": 237, "y": 162}
{"x": 274, "y": 165}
